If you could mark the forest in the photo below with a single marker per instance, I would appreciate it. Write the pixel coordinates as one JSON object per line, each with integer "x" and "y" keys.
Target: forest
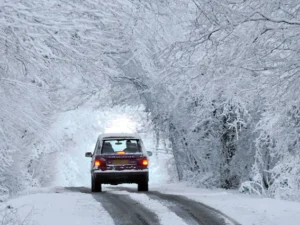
{"x": 218, "y": 79}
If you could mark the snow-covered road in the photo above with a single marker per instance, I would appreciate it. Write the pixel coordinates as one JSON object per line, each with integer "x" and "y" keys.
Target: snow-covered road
{"x": 127, "y": 206}
{"x": 168, "y": 204}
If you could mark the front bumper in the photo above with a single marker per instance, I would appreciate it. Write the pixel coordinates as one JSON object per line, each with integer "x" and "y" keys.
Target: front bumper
{"x": 120, "y": 177}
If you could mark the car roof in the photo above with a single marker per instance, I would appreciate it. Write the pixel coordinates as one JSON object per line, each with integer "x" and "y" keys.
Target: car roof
{"x": 119, "y": 135}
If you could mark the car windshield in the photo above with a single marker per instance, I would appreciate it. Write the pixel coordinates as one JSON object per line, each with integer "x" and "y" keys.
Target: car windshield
{"x": 121, "y": 146}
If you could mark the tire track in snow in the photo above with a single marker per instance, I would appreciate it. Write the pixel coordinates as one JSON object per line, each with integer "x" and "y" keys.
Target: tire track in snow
{"x": 183, "y": 214}
{"x": 201, "y": 213}
{"x": 126, "y": 211}
{"x": 165, "y": 215}
{"x": 190, "y": 211}
{"x": 126, "y": 206}
{"x": 122, "y": 209}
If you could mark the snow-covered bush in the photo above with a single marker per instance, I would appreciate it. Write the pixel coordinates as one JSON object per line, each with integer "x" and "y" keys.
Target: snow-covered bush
{"x": 276, "y": 168}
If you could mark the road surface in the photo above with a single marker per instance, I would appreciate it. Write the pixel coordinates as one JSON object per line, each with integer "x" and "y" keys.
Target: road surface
{"x": 125, "y": 208}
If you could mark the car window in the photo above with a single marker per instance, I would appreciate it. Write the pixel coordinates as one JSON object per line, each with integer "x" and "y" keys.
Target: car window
{"x": 96, "y": 148}
{"x": 125, "y": 146}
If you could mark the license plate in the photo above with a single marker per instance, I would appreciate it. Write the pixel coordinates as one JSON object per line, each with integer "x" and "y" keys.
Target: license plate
{"x": 120, "y": 162}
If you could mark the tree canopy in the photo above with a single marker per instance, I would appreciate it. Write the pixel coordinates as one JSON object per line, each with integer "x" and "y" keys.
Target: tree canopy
{"x": 220, "y": 80}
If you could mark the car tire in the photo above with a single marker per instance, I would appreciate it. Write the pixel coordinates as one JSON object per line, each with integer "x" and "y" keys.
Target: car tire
{"x": 93, "y": 186}
{"x": 96, "y": 186}
{"x": 143, "y": 186}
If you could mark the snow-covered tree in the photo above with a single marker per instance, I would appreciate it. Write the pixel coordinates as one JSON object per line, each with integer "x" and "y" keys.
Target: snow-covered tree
{"x": 219, "y": 79}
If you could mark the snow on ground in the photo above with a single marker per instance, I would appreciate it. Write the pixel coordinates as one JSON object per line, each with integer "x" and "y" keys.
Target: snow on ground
{"x": 57, "y": 206}
{"x": 246, "y": 209}
{"x": 53, "y": 209}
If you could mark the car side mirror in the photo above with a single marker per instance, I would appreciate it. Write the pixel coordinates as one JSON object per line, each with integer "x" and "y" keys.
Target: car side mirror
{"x": 149, "y": 153}
{"x": 88, "y": 154}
